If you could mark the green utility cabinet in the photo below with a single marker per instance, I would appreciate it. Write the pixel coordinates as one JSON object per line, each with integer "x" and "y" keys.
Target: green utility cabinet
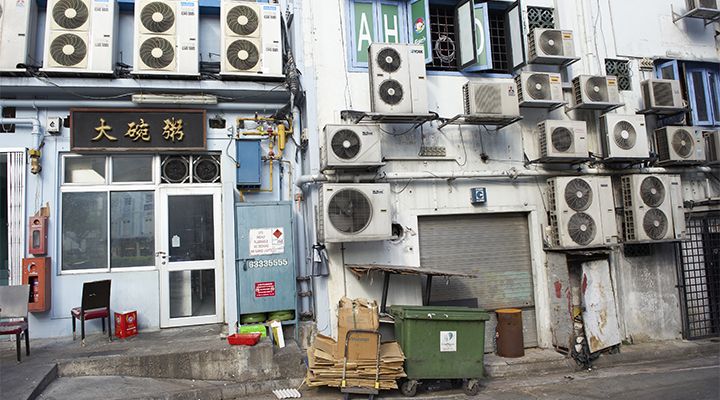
{"x": 441, "y": 343}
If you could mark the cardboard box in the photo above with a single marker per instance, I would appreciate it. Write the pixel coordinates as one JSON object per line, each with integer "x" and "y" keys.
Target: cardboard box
{"x": 357, "y": 314}
{"x": 126, "y": 324}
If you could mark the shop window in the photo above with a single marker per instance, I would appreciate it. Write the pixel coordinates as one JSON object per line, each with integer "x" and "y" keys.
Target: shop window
{"x": 621, "y": 69}
{"x": 132, "y": 229}
{"x": 701, "y": 82}
{"x": 464, "y": 35}
{"x": 128, "y": 169}
{"x": 541, "y": 17}
{"x": 89, "y": 170}
{"x": 84, "y": 231}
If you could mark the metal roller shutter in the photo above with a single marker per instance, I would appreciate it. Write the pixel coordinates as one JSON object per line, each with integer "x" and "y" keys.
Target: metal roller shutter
{"x": 496, "y": 247}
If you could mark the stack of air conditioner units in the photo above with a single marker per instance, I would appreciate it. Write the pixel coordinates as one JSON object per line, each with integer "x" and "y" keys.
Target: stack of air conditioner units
{"x": 662, "y": 95}
{"x": 653, "y": 208}
{"x": 596, "y": 92}
{"x": 624, "y": 137}
{"x": 166, "y": 37}
{"x": 563, "y": 140}
{"x": 80, "y": 36}
{"x": 539, "y": 89}
{"x": 351, "y": 147}
{"x": 550, "y": 46}
{"x": 494, "y": 98}
{"x": 712, "y": 147}
{"x": 397, "y": 78}
{"x": 17, "y": 33}
{"x": 680, "y": 145}
{"x": 251, "y": 39}
{"x": 354, "y": 212}
{"x": 582, "y": 212}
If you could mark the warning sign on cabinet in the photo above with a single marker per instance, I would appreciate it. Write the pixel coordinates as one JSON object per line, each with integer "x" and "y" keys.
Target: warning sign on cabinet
{"x": 264, "y": 289}
{"x": 267, "y": 241}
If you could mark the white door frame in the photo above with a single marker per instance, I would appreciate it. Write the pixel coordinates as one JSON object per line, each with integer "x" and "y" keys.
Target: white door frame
{"x": 165, "y": 266}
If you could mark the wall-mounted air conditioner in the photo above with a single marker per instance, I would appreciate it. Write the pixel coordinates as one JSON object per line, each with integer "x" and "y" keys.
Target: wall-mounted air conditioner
{"x": 18, "y": 21}
{"x": 680, "y": 145}
{"x": 562, "y": 140}
{"x": 624, "y": 137}
{"x": 397, "y": 78}
{"x": 662, "y": 95}
{"x": 596, "y": 91}
{"x": 648, "y": 210}
{"x": 582, "y": 212}
{"x": 251, "y": 39}
{"x": 80, "y": 36}
{"x": 354, "y": 212}
{"x": 539, "y": 89}
{"x": 166, "y": 37}
{"x": 496, "y": 98}
{"x": 705, "y": 9}
{"x": 550, "y": 46}
{"x": 351, "y": 147}
{"x": 712, "y": 147}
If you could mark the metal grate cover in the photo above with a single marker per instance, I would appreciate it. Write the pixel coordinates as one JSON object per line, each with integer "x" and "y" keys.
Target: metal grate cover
{"x": 541, "y": 17}
{"x": 699, "y": 275}
{"x": 620, "y": 69}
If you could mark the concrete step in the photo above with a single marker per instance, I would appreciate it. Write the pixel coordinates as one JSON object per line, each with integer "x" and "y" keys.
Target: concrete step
{"x": 230, "y": 363}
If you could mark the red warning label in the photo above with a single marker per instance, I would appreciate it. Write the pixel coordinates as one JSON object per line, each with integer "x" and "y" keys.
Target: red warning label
{"x": 264, "y": 289}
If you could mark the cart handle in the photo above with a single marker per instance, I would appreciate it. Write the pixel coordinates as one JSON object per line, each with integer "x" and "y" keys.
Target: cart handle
{"x": 351, "y": 332}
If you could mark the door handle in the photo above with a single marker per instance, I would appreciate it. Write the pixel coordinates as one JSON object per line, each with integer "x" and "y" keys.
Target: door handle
{"x": 245, "y": 263}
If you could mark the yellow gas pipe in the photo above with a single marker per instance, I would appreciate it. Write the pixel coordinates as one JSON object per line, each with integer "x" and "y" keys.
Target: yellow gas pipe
{"x": 279, "y": 134}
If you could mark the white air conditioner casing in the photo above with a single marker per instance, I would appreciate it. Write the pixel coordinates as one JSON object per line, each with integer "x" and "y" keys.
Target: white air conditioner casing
{"x": 624, "y": 137}
{"x": 251, "y": 39}
{"x": 662, "y": 95}
{"x": 351, "y": 147}
{"x": 596, "y": 91}
{"x": 166, "y": 37}
{"x": 539, "y": 89}
{"x": 705, "y": 9}
{"x": 80, "y": 36}
{"x": 496, "y": 97}
{"x": 712, "y": 147}
{"x": 680, "y": 145}
{"x": 562, "y": 140}
{"x": 550, "y": 46}
{"x": 354, "y": 212}
{"x": 648, "y": 208}
{"x": 18, "y": 21}
{"x": 582, "y": 212}
{"x": 397, "y": 78}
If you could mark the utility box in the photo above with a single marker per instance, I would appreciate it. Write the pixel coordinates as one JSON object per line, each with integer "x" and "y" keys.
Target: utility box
{"x": 249, "y": 163}
{"x": 37, "y": 238}
{"x": 265, "y": 263}
{"x": 36, "y": 273}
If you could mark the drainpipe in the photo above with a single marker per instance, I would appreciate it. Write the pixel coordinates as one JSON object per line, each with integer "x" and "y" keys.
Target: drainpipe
{"x": 303, "y": 261}
{"x": 129, "y": 104}
{"x": 26, "y": 121}
{"x": 512, "y": 173}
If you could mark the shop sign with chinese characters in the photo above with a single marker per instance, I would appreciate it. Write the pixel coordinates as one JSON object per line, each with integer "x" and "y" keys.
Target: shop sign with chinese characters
{"x": 93, "y": 129}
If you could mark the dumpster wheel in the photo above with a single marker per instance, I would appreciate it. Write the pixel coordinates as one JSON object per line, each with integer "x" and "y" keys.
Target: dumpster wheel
{"x": 408, "y": 388}
{"x": 471, "y": 387}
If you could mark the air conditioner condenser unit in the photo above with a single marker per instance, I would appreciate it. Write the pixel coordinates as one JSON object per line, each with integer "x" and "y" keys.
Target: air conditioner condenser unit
{"x": 562, "y": 140}
{"x": 539, "y": 89}
{"x": 354, "y": 212}
{"x": 351, "y": 147}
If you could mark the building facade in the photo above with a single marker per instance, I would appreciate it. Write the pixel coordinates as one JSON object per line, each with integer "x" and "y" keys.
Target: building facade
{"x": 117, "y": 213}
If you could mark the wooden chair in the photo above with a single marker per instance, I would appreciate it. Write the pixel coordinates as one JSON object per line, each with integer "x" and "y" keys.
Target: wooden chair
{"x": 14, "y": 314}
{"x": 95, "y": 304}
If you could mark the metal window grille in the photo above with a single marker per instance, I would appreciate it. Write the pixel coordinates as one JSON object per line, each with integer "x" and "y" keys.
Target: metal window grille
{"x": 498, "y": 41}
{"x": 16, "y": 167}
{"x": 699, "y": 276}
{"x": 541, "y": 17}
{"x": 442, "y": 28}
{"x": 621, "y": 69}
{"x": 190, "y": 169}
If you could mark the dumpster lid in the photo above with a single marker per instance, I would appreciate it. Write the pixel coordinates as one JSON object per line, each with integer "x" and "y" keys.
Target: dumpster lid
{"x": 447, "y": 313}
{"x": 361, "y": 269}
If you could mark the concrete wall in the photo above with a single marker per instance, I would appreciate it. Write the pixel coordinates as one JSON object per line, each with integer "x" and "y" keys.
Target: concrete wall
{"x": 332, "y": 87}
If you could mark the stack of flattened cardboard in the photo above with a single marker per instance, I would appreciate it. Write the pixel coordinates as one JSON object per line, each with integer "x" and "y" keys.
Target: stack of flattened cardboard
{"x": 327, "y": 357}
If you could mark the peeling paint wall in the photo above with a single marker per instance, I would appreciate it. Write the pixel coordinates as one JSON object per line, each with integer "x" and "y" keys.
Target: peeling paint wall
{"x": 650, "y": 303}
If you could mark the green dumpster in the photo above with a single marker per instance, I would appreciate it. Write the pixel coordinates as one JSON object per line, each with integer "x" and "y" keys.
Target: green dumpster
{"x": 441, "y": 343}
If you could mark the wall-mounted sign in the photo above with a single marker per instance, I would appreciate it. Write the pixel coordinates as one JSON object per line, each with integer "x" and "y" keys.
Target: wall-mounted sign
{"x": 478, "y": 195}
{"x": 97, "y": 129}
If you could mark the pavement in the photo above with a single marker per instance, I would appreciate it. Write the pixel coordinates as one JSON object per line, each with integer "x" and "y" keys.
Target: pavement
{"x": 197, "y": 363}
